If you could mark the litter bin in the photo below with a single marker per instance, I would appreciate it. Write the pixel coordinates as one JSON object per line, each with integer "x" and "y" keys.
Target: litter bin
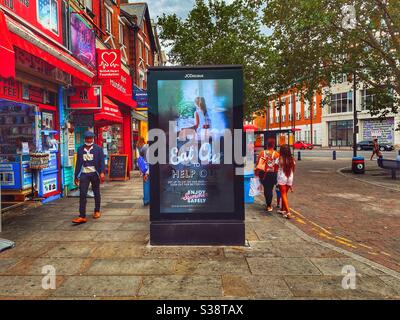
{"x": 358, "y": 165}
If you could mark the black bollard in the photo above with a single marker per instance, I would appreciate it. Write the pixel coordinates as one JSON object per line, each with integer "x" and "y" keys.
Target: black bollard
{"x": 334, "y": 154}
{"x": 299, "y": 156}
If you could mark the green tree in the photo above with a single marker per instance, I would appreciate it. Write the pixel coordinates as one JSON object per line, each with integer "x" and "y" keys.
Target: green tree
{"x": 216, "y": 33}
{"x": 318, "y": 40}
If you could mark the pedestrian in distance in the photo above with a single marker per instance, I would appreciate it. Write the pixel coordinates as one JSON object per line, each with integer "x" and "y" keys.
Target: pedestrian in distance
{"x": 375, "y": 149}
{"x": 267, "y": 169}
{"x": 143, "y": 165}
{"x": 286, "y": 170}
{"x": 89, "y": 169}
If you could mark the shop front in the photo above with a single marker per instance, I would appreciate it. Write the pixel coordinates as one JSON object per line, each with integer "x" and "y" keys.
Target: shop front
{"x": 31, "y": 97}
{"x": 28, "y": 128}
{"x": 109, "y": 103}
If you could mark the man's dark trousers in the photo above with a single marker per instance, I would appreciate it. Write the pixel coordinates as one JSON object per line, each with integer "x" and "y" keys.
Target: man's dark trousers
{"x": 84, "y": 181}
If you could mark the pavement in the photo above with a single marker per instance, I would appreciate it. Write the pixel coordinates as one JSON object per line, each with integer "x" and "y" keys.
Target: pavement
{"x": 359, "y": 213}
{"x": 111, "y": 258}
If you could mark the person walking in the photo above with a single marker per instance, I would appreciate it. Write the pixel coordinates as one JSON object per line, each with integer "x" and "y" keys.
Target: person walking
{"x": 266, "y": 169}
{"x": 143, "y": 165}
{"x": 375, "y": 149}
{"x": 286, "y": 169}
{"x": 89, "y": 169}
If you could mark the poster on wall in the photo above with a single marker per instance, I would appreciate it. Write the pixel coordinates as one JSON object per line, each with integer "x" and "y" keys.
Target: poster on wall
{"x": 83, "y": 41}
{"x": 381, "y": 129}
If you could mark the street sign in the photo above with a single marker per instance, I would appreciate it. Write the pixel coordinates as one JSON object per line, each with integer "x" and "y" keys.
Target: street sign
{"x": 196, "y": 201}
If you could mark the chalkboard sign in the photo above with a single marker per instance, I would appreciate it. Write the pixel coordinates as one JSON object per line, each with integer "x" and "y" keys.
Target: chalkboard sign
{"x": 118, "y": 167}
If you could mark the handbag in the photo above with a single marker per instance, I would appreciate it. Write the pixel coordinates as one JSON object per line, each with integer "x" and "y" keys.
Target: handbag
{"x": 142, "y": 164}
{"x": 262, "y": 162}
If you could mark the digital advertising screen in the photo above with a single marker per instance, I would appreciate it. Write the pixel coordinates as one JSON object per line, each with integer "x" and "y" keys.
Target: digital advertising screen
{"x": 198, "y": 110}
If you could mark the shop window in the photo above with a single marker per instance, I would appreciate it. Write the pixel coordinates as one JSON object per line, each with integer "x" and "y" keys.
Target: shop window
{"x": 340, "y": 133}
{"x": 47, "y": 14}
{"x": 17, "y": 129}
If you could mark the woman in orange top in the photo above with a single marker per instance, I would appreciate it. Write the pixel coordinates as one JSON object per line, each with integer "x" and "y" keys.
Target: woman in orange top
{"x": 267, "y": 170}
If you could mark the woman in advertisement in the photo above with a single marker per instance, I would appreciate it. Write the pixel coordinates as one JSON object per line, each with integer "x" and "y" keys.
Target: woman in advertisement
{"x": 202, "y": 119}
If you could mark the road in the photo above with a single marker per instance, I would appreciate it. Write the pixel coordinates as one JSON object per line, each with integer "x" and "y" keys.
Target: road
{"x": 341, "y": 154}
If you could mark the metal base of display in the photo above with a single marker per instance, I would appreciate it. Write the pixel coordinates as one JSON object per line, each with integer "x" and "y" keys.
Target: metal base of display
{"x": 198, "y": 234}
{"x": 6, "y": 244}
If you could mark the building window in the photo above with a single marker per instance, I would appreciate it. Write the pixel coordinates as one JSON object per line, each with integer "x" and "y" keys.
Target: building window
{"x": 340, "y": 133}
{"x": 147, "y": 56}
{"x": 315, "y": 107}
{"x": 298, "y": 108}
{"x": 140, "y": 49}
{"x": 367, "y": 98}
{"x": 306, "y": 109}
{"x": 121, "y": 33}
{"x": 108, "y": 20}
{"x": 9, "y": 3}
{"x": 341, "y": 102}
{"x": 47, "y": 14}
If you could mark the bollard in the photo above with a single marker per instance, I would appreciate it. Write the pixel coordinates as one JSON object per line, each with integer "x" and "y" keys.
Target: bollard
{"x": 299, "y": 156}
{"x": 334, "y": 154}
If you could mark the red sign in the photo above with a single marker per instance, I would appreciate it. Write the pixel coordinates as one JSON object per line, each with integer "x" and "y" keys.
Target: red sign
{"x": 109, "y": 64}
{"x": 44, "y": 16}
{"x": 86, "y": 98}
{"x": 9, "y": 89}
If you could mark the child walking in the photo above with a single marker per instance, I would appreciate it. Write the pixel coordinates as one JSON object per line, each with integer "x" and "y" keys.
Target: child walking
{"x": 285, "y": 178}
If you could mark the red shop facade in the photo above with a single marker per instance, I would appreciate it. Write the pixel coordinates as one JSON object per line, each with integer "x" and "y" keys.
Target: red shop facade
{"x": 109, "y": 104}
{"x": 34, "y": 67}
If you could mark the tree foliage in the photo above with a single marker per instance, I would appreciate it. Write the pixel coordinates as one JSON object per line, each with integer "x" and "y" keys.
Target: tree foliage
{"x": 317, "y": 40}
{"x": 216, "y": 33}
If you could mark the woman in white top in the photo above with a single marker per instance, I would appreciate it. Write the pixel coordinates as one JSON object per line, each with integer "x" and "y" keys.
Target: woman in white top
{"x": 286, "y": 169}
{"x": 201, "y": 117}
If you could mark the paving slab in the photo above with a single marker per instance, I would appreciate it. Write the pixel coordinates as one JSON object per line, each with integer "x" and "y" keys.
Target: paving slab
{"x": 212, "y": 266}
{"x": 132, "y": 267}
{"x": 99, "y": 286}
{"x": 261, "y": 287}
{"x": 282, "y": 266}
{"x": 176, "y": 287}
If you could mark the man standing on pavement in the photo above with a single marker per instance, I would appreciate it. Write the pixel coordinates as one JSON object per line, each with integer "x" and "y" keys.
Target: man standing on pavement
{"x": 89, "y": 169}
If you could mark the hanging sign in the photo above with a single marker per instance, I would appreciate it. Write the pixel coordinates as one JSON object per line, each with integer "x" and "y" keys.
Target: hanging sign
{"x": 109, "y": 64}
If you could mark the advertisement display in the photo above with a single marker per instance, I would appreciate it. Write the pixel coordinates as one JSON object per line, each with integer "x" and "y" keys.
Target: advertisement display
{"x": 83, "y": 41}
{"x": 197, "y": 194}
{"x": 189, "y": 187}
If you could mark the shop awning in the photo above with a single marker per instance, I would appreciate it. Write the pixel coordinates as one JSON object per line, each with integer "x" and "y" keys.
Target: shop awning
{"x": 109, "y": 114}
{"x": 7, "y": 55}
{"x": 26, "y": 40}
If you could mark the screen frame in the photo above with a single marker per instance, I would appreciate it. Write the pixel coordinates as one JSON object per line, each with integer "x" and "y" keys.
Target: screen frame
{"x": 156, "y": 74}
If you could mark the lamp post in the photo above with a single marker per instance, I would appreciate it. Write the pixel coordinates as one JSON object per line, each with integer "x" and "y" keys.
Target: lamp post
{"x": 355, "y": 116}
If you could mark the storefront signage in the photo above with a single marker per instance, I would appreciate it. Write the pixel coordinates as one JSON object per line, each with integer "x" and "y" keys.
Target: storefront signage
{"x": 9, "y": 89}
{"x": 44, "y": 15}
{"x": 141, "y": 98}
{"x": 88, "y": 98}
{"x": 197, "y": 195}
{"x": 83, "y": 41}
{"x": 36, "y": 65}
{"x": 109, "y": 64}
